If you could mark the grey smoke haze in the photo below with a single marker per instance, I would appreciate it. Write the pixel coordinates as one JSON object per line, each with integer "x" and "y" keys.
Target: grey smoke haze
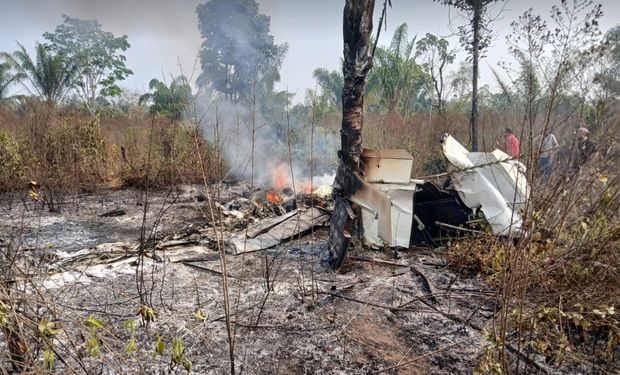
{"x": 162, "y": 32}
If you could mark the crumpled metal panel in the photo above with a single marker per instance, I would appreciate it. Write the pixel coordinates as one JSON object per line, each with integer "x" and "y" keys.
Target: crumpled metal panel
{"x": 489, "y": 182}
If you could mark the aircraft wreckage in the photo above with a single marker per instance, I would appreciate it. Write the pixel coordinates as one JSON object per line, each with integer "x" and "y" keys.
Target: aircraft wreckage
{"x": 397, "y": 211}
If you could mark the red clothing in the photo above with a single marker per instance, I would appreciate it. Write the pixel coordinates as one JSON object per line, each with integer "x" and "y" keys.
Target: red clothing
{"x": 512, "y": 145}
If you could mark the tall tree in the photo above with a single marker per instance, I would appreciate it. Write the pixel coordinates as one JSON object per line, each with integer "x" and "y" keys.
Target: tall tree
{"x": 97, "y": 56}
{"x": 356, "y": 30}
{"x": 169, "y": 100}
{"x": 398, "y": 78}
{"x": 608, "y": 78}
{"x": 475, "y": 38}
{"x": 436, "y": 55}
{"x": 47, "y": 76}
{"x": 237, "y": 52}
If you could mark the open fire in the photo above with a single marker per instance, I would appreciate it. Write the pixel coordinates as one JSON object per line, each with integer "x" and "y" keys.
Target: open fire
{"x": 280, "y": 178}
{"x": 273, "y": 197}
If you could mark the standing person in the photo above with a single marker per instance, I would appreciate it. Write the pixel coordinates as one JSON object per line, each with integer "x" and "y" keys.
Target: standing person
{"x": 512, "y": 143}
{"x": 547, "y": 154}
{"x": 585, "y": 147}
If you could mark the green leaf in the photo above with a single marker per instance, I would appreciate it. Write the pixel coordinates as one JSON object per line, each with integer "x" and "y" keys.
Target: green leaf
{"x": 160, "y": 347}
{"x": 187, "y": 364}
{"x": 199, "y": 315}
{"x": 131, "y": 345}
{"x": 129, "y": 324}
{"x": 94, "y": 322}
{"x": 48, "y": 359}
{"x": 92, "y": 346}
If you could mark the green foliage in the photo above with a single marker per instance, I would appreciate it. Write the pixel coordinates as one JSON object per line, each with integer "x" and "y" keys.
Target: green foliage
{"x": 171, "y": 101}
{"x": 330, "y": 83}
{"x": 476, "y": 12}
{"x": 609, "y": 76}
{"x": 237, "y": 52}
{"x": 49, "y": 359}
{"x": 48, "y": 75}
{"x": 437, "y": 56}
{"x": 97, "y": 55}
{"x": 397, "y": 80}
{"x": 555, "y": 332}
{"x": 178, "y": 355}
{"x": 4, "y": 318}
{"x": 435, "y": 164}
{"x": 146, "y": 313}
{"x": 160, "y": 346}
{"x": 130, "y": 325}
{"x": 460, "y": 80}
{"x": 47, "y": 327}
{"x": 199, "y": 315}
{"x": 7, "y": 79}
{"x": 93, "y": 344}
{"x": 477, "y": 257}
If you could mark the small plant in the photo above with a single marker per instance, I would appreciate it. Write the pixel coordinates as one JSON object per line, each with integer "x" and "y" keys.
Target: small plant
{"x": 178, "y": 356}
{"x": 146, "y": 314}
{"x": 94, "y": 343}
{"x": 160, "y": 347}
{"x": 130, "y": 325}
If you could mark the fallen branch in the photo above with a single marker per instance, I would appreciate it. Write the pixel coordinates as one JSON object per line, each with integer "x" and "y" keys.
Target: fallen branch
{"x": 209, "y": 270}
{"x": 429, "y": 288}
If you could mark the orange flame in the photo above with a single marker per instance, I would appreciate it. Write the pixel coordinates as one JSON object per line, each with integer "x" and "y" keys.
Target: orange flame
{"x": 281, "y": 178}
{"x": 273, "y": 197}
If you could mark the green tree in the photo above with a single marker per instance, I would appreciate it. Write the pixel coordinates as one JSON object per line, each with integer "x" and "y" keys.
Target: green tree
{"x": 436, "y": 55}
{"x": 238, "y": 53}
{"x": 7, "y": 78}
{"x": 608, "y": 78}
{"x": 330, "y": 83}
{"x": 475, "y": 38}
{"x": 169, "y": 100}
{"x": 47, "y": 76}
{"x": 97, "y": 56}
{"x": 398, "y": 80}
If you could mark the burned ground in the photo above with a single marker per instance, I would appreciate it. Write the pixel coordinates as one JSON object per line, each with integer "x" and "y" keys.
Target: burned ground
{"x": 402, "y": 311}
{"x": 369, "y": 317}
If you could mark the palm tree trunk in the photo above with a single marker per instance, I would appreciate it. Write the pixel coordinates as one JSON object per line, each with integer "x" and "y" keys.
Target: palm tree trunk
{"x": 357, "y": 30}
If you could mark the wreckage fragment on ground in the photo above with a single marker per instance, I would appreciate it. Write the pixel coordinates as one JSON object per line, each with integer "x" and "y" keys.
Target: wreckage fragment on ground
{"x": 401, "y": 212}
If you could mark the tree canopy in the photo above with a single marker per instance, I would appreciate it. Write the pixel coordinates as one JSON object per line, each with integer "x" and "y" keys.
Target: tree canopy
{"x": 96, "y": 54}
{"x": 47, "y": 75}
{"x": 237, "y": 51}
{"x": 436, "y": 55}
{"x": 169, "y": 100}
{"x": 397, "y": 79}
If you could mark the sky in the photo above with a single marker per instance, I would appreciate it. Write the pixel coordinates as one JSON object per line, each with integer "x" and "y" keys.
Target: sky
{"x": 165, "y": 40}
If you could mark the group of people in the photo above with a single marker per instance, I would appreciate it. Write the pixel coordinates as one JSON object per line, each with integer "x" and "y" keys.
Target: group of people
{"x": 548, "y": 149}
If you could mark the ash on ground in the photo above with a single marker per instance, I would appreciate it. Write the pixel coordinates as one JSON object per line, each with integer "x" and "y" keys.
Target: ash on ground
{"x": 401, "y": 312}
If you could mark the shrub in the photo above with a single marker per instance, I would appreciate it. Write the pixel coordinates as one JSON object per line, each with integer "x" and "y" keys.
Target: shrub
{"x": 11, "y": 171}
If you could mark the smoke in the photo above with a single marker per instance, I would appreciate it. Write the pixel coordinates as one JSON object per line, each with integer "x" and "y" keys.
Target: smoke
{"x": 245, "y": 135}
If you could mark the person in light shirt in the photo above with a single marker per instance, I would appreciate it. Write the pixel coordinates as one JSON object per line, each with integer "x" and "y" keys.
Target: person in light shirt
{"x": 548, "y": 149}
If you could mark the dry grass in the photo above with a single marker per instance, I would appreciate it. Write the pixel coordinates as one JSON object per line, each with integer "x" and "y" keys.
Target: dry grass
{"x": 74, "y": 152}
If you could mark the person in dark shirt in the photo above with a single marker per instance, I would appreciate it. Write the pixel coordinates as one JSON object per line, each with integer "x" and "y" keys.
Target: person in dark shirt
{"x": 585, "y": 147}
